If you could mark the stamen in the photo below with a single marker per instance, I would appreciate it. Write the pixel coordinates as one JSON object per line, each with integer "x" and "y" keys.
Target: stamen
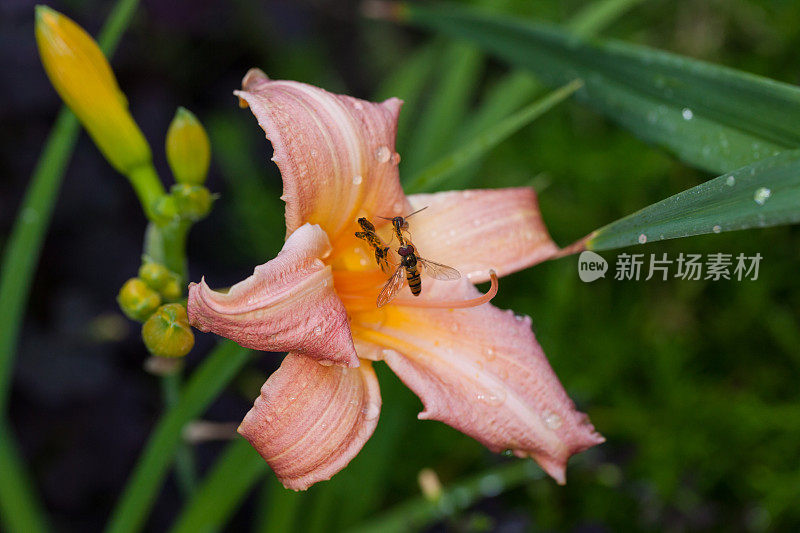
{"x": 452, "y": 304}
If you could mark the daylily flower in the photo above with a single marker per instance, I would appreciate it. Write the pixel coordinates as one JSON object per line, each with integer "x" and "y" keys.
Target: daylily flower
{"x": 475, "y": 367}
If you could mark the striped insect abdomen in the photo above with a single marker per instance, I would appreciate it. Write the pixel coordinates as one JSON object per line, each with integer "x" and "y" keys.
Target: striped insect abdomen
{"x": 414, "y": 282}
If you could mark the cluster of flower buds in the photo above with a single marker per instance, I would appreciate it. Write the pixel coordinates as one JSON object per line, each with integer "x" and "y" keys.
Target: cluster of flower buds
{"x": 166, "y": 331}
{"x": 82, "y": 76}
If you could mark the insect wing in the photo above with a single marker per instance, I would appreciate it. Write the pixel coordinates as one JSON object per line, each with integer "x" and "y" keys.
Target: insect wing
{"x": 394, "y": 284}
{"x": 385, "y": 266}
{"x": 439, "y": 271}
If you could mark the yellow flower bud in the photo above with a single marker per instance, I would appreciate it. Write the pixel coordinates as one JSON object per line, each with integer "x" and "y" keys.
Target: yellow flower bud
{"x": 193, "y": 202}
{"x": 154, "y": 274}
{"x": 172, "y": 289}
{"x": 137, "y": 300}
{"x": 188, "y": 149}
{"x": 167, "y": 333}
{"x": 83, "y": 78}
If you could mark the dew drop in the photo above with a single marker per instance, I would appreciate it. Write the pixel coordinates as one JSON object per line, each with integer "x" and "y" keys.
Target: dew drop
{"x": 357, "y": 179}
{"x": 761, "y": 195}
{"x": 383, "y": 154}
{"x": 642, "y": 238}
{"x": 318, "y": 330}
{"x": 731, "y": 181}
{"x": 371, "y": 411}
{"x": 716, "y": 229}
{"x": 395, "y": 158}
{"x": 687, "y": 114}
{"x": 552, "y": 420}
{"x": 490, "y": 355}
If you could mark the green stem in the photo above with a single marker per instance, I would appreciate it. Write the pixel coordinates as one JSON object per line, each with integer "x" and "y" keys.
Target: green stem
{"x": 234, "y": 473}
{"x": 184, "y": 458}
{"x": 203, "y": 386}
{"x": 148, "y": 188}
{"x": 418, "y": 512}
{"x": 19, "y": 507}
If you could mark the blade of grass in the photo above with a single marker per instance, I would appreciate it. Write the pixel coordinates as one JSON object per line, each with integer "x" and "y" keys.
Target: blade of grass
{"x": 419, "y": 512}
{"x": 471, "y": 151}
{"x": 202, "y": 388}
{"x": 231, "y": 478}
{"x": 766, "y": 193}
{"x": 712, "y": 117}
{"x": 460, "y": 67}
{"x": 281, "y": 508}
{"x": 19, "y": 507}
{"x": 408, "y": 83}
{"x": 519, "y": 87}
{"x": 25, "y": 242}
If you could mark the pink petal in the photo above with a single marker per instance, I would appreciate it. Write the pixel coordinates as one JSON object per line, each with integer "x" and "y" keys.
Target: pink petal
{"x": 311, "y": 420}
{"x": 335, "y": 153}
{"x": 474, "y": 231}
{"x": 481, "y": 371}
{"x": 288, "y": 304}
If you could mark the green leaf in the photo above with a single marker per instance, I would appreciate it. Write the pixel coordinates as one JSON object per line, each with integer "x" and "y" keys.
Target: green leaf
{"x": 416, "y": 513}
{"x": 460, "y": 68}
{"x": 766, "y": 193}
{"x": 233, "y": 474}
{"x": 713, "y": 117}
{"x": 203, "y": 387}
{"x": 19, "y": 507}
{"x": 470, "y": 152}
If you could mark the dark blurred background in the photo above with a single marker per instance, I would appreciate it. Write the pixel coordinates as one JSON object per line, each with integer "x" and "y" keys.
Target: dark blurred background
{"x": 693, "y": 383}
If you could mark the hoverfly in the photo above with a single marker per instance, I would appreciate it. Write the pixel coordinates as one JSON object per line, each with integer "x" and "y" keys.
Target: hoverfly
{"x": 400, "y": 224}
{"x": 381, "y": 250}
{"x": 409, "y": 265}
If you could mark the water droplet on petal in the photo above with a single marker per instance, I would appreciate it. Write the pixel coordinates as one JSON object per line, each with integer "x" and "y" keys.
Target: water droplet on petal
{"x": 552, "y": 420}
{"x": 642, "y": 238}
{"x": 371, "y": 411}
{"x": 382, "y": 154}
{"x": 357, "y": 179}
{"x": 490, "y": 355}
{"x": 395, "y": 158}
{"x": 318, "y": 330}
{"x": 761, "y": 195}
{"x": 687, "y": 114}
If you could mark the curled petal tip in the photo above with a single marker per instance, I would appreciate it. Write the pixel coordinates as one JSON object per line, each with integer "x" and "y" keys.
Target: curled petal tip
{"x": 254, "y": 77}
{"x": 288, "y": 304}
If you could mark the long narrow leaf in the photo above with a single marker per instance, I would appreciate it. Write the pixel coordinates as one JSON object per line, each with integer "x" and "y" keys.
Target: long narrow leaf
{"x": 480, "y": 145}
{"x": 233, "y": 475}
{"x": 766, "y": 193}
{"x": 19, "y": 507}
{"x": 200, "y": 390}
{"x": 460, "y": 69}
{"x": 713, "y": 117}
{"x": 415, "y": 514}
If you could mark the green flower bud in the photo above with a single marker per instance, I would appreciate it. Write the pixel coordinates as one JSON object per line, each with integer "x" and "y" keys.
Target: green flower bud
{"x": 193, "y": 202}
{"x": 137, "y": 300}
{"x": 188, "y": 149}
{"x": 167, "y": 333}
{"x": 172, "y": 289}
{"x": 154, "y": 274}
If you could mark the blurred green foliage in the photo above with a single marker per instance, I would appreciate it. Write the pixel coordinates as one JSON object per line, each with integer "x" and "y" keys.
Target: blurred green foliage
{"x": 693, "y": 383}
